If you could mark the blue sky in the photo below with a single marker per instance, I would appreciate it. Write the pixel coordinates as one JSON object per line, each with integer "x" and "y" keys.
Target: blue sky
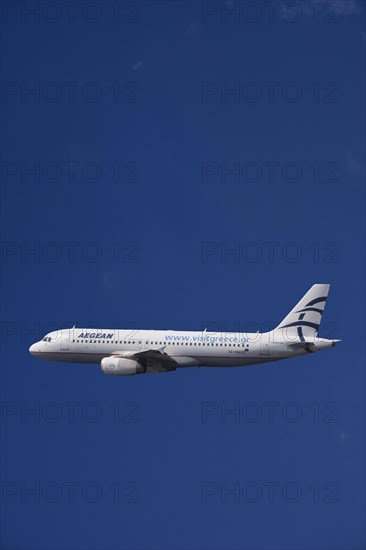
{"x": 116, "y": 174}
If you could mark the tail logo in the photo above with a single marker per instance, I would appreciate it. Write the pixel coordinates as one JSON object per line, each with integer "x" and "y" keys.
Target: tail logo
{"x": 301, "y": 323}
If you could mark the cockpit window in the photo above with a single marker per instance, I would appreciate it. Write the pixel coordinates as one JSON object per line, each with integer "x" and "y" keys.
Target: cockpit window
{"x": 49, "y": 339}
{"x": 45, "y": 339}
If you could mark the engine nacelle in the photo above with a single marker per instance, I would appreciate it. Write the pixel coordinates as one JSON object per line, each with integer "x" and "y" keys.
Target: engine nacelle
{"x": 120, "y": 367}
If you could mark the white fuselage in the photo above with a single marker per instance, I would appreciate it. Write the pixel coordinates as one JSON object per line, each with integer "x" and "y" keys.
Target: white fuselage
{"x": 186, "y": 348}
{"x": 126, "y": 352}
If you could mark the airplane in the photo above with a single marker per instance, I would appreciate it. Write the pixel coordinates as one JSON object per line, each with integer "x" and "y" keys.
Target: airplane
{"x": 130, "y": 352}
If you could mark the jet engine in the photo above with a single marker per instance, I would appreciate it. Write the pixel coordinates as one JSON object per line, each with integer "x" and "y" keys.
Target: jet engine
{"x": 120, "y": 367}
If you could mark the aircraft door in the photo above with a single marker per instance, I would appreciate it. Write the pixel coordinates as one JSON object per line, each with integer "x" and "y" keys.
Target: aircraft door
{"x": 264, "y": 345}
{"x": 64, "y": 345}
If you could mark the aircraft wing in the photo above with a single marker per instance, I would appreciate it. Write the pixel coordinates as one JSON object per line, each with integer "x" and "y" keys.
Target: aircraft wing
{"x": 152, "y": 360}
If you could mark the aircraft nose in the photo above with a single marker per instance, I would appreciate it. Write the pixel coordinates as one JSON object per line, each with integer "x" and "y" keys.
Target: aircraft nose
{"x": 33, "y": 349}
